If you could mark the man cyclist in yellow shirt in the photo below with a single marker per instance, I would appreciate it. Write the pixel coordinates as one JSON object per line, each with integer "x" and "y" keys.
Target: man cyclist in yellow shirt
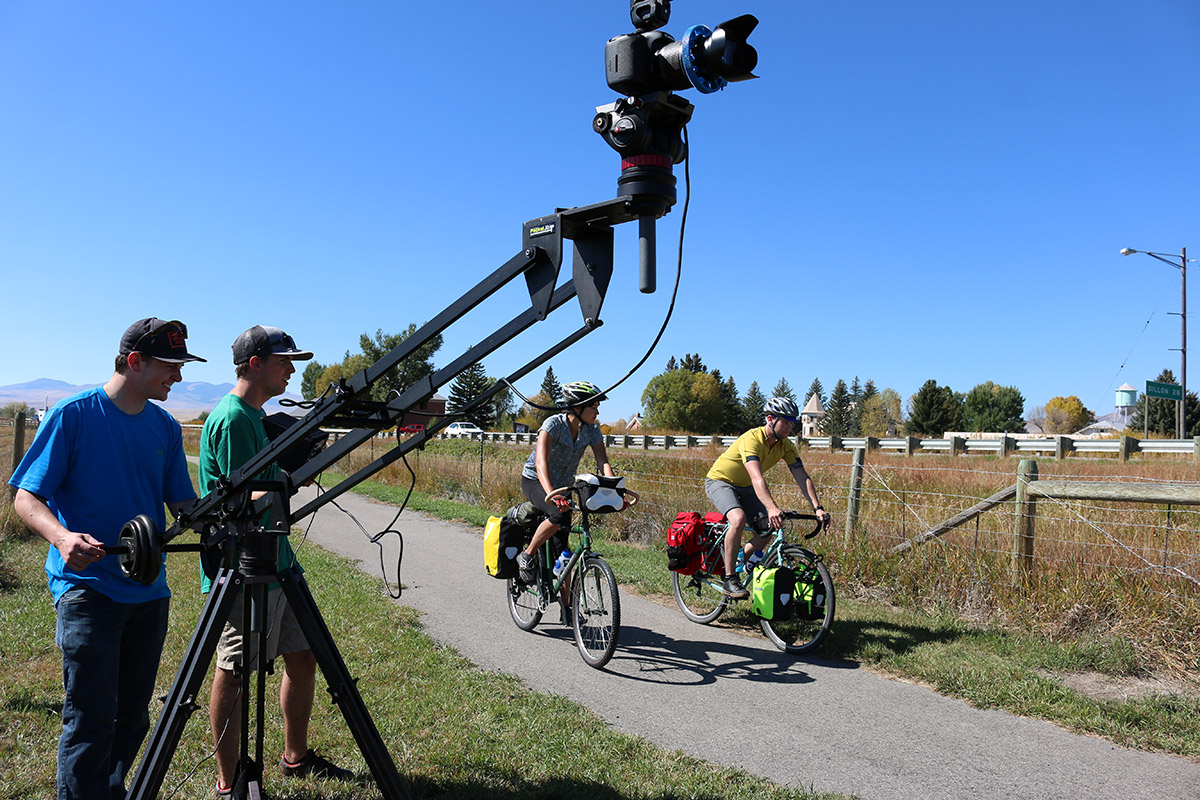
{"x": 736, "y": 486}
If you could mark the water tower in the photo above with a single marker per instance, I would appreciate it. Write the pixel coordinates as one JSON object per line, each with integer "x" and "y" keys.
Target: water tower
{"x": 1126, "y": 400}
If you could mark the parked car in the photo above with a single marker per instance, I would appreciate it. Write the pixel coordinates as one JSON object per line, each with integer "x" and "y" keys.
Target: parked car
{"x": 462, "y": 429}
{"x": 415, "y": 427}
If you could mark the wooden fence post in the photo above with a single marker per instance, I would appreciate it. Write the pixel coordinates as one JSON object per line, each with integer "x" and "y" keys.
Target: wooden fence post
{"x": 958, "y": 445}
{"x": 1196, "y": 450}
{"x": 1022, "y": 557}
{"x": 1129, "y": 445}
{"x": 911, "y": 445}
{"x": 18, "y": 440}
{"x": 1006, "y": 445}
{"x": 1062, "y": 446}
{"x": 855, "y": 497}
{"x": 835, "y": 443}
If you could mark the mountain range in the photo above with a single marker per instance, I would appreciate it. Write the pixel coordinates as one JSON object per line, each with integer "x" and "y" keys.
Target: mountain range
{"x": 185, "y": 401}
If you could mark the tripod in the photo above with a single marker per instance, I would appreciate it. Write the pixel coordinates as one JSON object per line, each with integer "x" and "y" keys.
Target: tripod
{"x": 250, "y": 565}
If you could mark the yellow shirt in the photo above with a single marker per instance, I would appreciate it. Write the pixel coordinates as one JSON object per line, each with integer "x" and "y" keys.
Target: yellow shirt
{"x": 731, "y": 466}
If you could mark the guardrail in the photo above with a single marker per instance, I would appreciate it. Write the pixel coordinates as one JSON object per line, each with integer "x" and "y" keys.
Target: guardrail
{"x": 1056, "y": 446}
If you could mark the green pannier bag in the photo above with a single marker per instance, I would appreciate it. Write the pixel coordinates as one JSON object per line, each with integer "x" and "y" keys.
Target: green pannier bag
{"x": 810, "y": 595}
{"x": 772, "y": 593}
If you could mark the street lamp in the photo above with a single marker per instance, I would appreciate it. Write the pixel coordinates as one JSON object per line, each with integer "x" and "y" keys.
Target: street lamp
{"x": 1169, "y": 258}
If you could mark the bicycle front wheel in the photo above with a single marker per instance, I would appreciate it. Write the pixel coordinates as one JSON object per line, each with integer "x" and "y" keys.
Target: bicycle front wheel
{"x": 814, "y": 604}
{"x": 699, "y": 596}
{"x": 596, "y": 609}
{"x": 523, "y": 604}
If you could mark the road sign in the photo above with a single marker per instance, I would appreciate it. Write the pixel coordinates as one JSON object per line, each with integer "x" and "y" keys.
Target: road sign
{"x": 1164, "y": 391}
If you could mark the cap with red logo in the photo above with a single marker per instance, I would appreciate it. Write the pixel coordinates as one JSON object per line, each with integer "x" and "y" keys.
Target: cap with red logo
{"x": 163, "y": 339}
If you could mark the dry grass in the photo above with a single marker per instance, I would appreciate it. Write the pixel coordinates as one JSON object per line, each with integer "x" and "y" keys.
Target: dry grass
{"x": 1109, "y": 569}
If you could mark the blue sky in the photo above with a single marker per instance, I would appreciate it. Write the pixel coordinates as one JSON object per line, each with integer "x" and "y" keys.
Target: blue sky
{"x": 910, "y": 190}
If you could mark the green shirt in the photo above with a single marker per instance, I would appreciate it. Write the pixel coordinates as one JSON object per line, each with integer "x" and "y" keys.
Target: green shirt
{"x": 232, "y": 435}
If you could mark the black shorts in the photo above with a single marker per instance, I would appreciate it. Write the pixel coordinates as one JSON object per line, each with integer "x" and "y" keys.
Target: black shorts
{"x": 533, "y": 491}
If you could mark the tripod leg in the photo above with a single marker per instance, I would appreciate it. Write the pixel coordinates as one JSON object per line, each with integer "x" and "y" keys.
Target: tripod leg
{"x": 181, "y": 700}
{"x": 341, "y": 686}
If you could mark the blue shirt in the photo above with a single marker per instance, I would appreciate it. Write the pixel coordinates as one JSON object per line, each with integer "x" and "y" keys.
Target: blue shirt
{"x": 98, "y": 467}
{"x": 565, "y": 451}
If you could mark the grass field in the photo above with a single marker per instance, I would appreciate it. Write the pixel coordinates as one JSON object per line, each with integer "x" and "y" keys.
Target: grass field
{"x": 453, "y": 731}
{"x": 456, "y": 732}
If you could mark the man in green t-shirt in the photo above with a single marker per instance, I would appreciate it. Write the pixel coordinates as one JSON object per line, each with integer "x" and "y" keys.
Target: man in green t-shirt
{"x": 736, "y": 486}
{"x": 232, "y": 435}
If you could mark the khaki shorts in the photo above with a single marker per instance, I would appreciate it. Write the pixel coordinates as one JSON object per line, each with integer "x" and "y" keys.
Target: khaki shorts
{"x": 283, "y": 633}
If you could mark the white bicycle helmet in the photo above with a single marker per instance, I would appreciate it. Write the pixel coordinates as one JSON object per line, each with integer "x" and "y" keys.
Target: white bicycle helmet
{"x": 782, "y": 407}
{"x": 580, "y": 393}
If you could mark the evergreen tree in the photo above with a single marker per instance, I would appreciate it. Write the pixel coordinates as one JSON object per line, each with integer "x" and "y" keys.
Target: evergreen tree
{"x": 854, "y": 428}
{"x": 732, "y": 416}
{"x": 933, "y": 410}
{"x": 752, "y": 407}
{"x": 551, "y": 388}
{"x": 838, "y": 413}
{"x": 817, "y": 389}
{"x": 784, "y": 389}
{"x": 692, "y": 363}
{"x": 468, "y": 385}
{"x": 989, "y": 407}
{"x": 671, "y": 365}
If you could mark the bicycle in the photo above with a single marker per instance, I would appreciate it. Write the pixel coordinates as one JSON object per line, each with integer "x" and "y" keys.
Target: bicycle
{"x": 701, "y": 599}
{"x": 595, "y": 604}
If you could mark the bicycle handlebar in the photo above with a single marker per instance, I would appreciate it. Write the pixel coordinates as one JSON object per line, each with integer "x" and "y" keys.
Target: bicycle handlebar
{"x": 800, "y": 515}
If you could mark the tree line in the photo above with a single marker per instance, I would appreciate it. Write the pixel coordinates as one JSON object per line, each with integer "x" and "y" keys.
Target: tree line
{"x": 689, "y": 397}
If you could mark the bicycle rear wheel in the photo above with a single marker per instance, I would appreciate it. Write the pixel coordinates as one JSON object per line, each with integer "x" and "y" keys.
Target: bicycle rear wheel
{"x": 523, "y": 604}
{"x": 596, "y": 608}
{"x": 813, "y": 617}
{"x": 699, "y": 596}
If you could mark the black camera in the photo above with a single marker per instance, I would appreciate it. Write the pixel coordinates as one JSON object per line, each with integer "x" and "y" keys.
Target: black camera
{"x": 650, "y": 60}
{"x": 300, "y": 453}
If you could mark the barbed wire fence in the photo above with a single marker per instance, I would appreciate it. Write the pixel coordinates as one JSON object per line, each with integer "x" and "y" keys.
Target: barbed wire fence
{"x": 1120, "y": 566}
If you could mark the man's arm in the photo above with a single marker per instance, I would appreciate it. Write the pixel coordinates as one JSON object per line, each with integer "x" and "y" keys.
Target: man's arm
{"x": 800, "y": 474}
{"x": 78, "y": 550}
{"x": 774, "y": 513}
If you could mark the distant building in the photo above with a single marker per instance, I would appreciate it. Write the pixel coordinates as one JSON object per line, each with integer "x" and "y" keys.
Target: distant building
{"x": 811, "y": 416}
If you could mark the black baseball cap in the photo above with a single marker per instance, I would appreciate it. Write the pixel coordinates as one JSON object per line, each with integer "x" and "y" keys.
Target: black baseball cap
{"x": 163, "y": 339}
{"x": 262, "y": 340}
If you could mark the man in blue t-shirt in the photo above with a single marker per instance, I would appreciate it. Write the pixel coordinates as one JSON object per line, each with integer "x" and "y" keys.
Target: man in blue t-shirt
{"x": 101, "y": 458}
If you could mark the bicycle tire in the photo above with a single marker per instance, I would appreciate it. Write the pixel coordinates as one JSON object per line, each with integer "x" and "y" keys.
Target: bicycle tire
{"x": 595, "y": 611}
{"x": 523, "y": 604}
{"x": 699, "y": 596}
{"x": 800, "y": 634}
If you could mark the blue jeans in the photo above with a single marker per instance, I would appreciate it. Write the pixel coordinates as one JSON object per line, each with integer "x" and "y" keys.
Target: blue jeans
{"x": 110, "y": 660}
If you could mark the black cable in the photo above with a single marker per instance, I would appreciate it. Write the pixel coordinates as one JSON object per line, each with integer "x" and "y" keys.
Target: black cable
{"x": 376, "y": 539}
{"x": 687, "y": 196}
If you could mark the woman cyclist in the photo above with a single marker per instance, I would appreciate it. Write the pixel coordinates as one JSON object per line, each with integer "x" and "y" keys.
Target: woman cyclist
{"x": 552, "y": 465}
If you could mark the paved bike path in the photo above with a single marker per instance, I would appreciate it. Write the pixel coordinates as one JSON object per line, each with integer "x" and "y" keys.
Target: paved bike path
{"x": 829, "y": 725}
